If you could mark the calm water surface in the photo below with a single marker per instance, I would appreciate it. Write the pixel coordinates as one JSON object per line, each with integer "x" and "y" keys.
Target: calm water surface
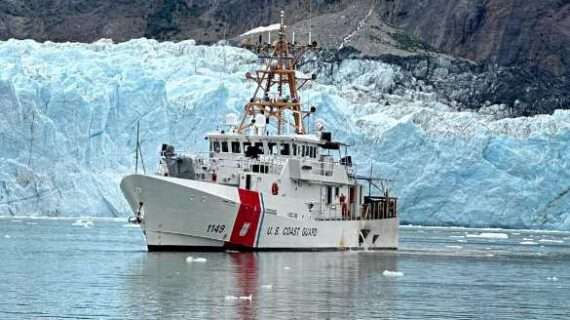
{"x": 61, "y": 269}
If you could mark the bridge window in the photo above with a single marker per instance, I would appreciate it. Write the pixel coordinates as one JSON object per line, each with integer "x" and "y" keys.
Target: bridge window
{"x": 246, "y": 146}
{"x": 285, "y": 151}
{"x": 259, "y": 145}
{"x": 272, "y": 146}
{"x": 294, "y": 149}
{"x": 304, "y": 151}
{"x": 259, "y": 168}
{"x": 235, "y": 147}
{"x": 225, "y": 146}
{"x": 216, "y": 146}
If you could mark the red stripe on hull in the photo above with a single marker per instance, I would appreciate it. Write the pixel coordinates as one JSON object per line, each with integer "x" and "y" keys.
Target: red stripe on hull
{"x": 247, "y": 220}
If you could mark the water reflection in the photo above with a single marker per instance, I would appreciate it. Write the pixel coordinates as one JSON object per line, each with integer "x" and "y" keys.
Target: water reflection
{"x": 281, "y": 285}
{"x": 244, "y": 267}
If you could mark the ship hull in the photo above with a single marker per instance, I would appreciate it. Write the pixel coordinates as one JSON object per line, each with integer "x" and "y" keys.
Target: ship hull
{"x": 189, "y": 215}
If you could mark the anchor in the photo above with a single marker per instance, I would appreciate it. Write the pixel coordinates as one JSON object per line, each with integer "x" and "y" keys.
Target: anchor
{"x": 138, "y": 218}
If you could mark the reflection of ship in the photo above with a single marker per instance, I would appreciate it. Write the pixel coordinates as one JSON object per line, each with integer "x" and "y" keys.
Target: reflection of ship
{"x": 267, "y": 183}
{"x": 282, "y": 285}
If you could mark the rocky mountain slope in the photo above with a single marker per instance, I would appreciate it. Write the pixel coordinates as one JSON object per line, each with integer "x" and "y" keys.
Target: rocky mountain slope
{"x": 472, "y": 52}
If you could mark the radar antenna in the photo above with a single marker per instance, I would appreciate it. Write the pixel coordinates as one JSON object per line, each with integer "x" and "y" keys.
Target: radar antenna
{"x": 276, "y": 96}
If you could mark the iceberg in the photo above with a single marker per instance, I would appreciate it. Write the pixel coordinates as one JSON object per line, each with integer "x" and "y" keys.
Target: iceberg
{"x": 69, "y": 113}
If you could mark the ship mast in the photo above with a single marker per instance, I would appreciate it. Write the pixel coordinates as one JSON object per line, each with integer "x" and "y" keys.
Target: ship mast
{"x": 276, "y": 96}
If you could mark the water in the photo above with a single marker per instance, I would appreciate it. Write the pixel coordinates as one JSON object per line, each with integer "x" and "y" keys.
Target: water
{"x": 61, "y": 269}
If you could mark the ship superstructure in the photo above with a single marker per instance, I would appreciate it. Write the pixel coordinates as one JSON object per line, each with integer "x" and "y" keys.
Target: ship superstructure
{"x": 266, "y": 182}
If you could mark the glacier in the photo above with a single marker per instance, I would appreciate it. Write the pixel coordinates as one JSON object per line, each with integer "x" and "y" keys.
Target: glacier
{"x": 69, "y": 113}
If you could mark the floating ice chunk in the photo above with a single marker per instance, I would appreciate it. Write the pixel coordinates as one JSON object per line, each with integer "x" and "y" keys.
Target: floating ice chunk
{"x": 552, "y": 278}
{"x": 488, "y": 235}
{"x": 246, "y": 297}
{"x": 16, "y": 220}
{"x": 454, "y": 247}
{"x": 191, "y": 259}
{"x": 528, "y": 239}
{"x": 7, "y": 236}
{"x": 461, "y": 241}
{"x": 267, "y": 286}
{"x": 132, "y": 225}
{"x": 392, "y": 274}
{"x": 86, "y": 223}
{"x": 286, "y": 268}
{"x": 550, "y": 241}
{"x": 457, "y": 237}
{"x": 243, "y": 298}
{"x": 529, "y": 243}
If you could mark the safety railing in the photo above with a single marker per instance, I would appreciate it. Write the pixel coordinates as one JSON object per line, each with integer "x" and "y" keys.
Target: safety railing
{"x": 271, "y": 164}
{"x": 378, "y": 208}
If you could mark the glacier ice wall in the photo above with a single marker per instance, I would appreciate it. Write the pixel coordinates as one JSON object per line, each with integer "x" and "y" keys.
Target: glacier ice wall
{"x": 68, "y": 115}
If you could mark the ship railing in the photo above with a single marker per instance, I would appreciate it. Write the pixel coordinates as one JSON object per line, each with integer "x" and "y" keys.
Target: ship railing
{"x": 379, "y": 208}
{"x": 376, "y": 208}
{"x": 268, "y": 164}
{"x": 325, "y": 167}
{"x": 262, "y": 165}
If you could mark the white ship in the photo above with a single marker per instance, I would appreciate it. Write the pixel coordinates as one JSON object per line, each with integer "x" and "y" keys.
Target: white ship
{"x": 266, "y": 183}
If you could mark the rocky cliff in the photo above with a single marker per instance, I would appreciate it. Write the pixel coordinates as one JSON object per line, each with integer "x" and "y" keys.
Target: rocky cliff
{"x": 472, "y": 52}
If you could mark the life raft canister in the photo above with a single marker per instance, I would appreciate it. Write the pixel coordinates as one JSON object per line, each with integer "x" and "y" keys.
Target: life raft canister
{"x": 275, "y": 188}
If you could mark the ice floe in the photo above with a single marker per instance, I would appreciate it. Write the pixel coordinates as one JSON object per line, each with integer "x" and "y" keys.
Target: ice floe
{"x": 191, "y": 259}
{"x": 488, "y": 235}
{"x": 84, "y": 222}
{"x": 235, "y": 298}
{"x": 550, "y": 241}
{"x": 392, "y": 274}
{"x": 132, "y": 225}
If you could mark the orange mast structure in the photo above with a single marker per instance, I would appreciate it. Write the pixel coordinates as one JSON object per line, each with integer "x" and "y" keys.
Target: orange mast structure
{"x": 277, "y": 93}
